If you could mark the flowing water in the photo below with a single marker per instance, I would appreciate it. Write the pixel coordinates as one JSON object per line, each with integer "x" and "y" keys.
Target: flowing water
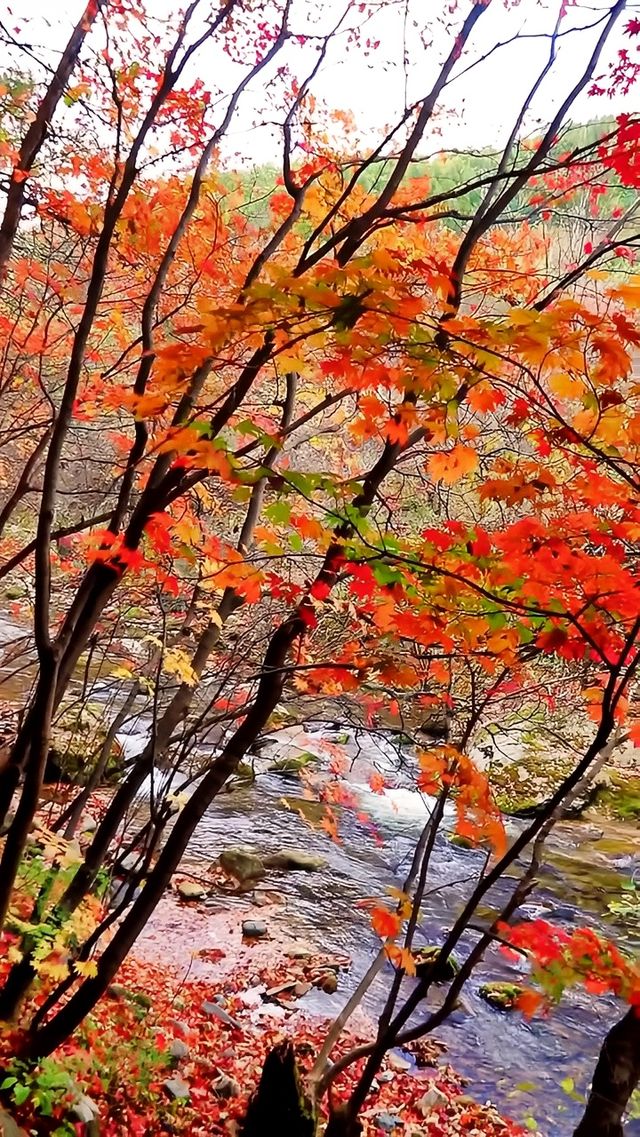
{"x": 520, "y": 1065}
{"x": 516, "y": 1063}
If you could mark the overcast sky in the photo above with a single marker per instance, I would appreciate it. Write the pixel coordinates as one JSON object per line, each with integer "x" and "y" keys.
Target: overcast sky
{"x": 477, "y": 109}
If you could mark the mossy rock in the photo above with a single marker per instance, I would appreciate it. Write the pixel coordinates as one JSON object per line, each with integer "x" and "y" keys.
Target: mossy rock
{"x": 619, "y": 798}
{"x": 503, "y": 996}
{"x": 461, "y": 842}
{"x": 425, "y": 958}
{"x": 293, "y": 764}
{"x": 245, "y": 772}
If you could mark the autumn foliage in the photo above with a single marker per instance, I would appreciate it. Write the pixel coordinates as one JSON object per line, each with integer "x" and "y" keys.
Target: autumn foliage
{"x": 342, "y": 430}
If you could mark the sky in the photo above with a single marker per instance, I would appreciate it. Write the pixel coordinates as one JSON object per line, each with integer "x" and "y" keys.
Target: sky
{"x": 478, "y": 108}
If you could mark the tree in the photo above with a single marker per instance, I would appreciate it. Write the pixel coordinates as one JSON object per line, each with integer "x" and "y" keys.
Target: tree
{"x": 255, "y": 392}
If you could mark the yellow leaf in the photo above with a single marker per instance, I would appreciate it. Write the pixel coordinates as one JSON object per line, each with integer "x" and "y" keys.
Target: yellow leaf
{"x": 88, "y": 969}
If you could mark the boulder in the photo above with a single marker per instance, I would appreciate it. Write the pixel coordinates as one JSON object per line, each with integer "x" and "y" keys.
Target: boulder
{"x": 242, "y": 865}
{"x": 294, "y": 860}
{"x": 293, "y": 764}
{"x": 191, "y": 890}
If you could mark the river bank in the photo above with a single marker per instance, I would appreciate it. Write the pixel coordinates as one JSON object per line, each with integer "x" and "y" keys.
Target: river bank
{"x": 175, "y": 1049}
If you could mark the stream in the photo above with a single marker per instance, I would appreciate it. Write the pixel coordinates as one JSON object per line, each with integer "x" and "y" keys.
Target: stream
{"x": 517, "y": 1064}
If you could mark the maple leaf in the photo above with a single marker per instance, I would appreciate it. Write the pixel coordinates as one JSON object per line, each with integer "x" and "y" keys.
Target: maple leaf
{"x": 386, "y": 924}
{"x": 451, "y": 465}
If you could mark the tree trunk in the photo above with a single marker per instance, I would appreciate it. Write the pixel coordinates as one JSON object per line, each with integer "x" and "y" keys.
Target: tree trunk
{"x": 616, "y": 1076}
{"x": 279, "y": 1104}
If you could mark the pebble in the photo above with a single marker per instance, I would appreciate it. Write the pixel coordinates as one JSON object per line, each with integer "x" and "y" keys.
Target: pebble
{"x": 398, "y": 1063}
{"x": 254, "y": 929}
{"x": 387, "y": 1121}
{"x": 84, "y": 1109}
{"x": 179, "y": 1050}
{"x": 226, "y": 1087}
{"x": 216, "y": 1012}
{"x": 191, "y": 890}
{"x": 177, "y": 1088}
{"x": 299, "y": 950}
{"x": 327, "y": 982}
{"x": 433, "y": 1099}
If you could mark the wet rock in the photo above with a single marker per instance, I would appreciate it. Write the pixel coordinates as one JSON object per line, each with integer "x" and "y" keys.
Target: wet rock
{"x": 190, "y": 890}
{"x": 327, "y": 981}
{"x": 225, "y": 1087}
{"x": 254, "y": 929}
{"x": 178, "y": 1050}
{"x": 431, "y": 1100}
{"x": 503, "y": 996}
{"x": 293, "y": 764}
{"x": 301, "y": 989}
{"x": 425, "y": 958}
{"x": 242, "y": 865}
{"x": 386, "y": 1076}
{"x": 294, "y": 860}
{"x": 177, "y": 1088}
{"x": 214, "y": 1011}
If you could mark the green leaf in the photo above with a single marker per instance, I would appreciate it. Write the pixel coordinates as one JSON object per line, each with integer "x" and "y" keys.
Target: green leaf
{"x": 279, "y": 512}
{"x": 20, "y": 1094}
{"x": 7, "y": 1083}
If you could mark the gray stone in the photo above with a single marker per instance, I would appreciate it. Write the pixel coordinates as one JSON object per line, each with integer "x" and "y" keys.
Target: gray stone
{"x": 225, "y": 1087}
{"x": 216, "y": 1012}
{"x": 398, "y": 1063}
{"x": 295, "y": 860}
{"x": 9, "y": 1127}
{"x": 179, "y": 1050}
{"x": 177, "y": 1088}
{"x": 191, "y": 890}
{"x": 432, "y": 1099}
{"x": 254, "y": 929}
{"x": 85, "y": 1109}
{"x": 299, "y": 950}
{"x": 241, "y": 864}
{"x": 387, "y": 1121}
{"x": 88, "y": 824}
